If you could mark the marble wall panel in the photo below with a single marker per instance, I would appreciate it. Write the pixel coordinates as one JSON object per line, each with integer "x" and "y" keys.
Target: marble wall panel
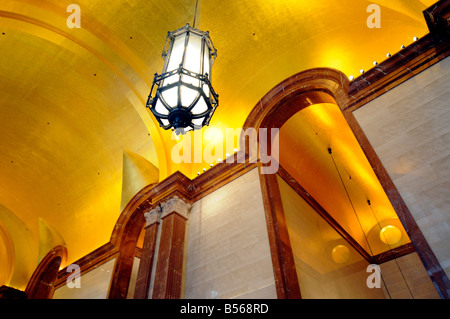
{"x": 409, "y": 128}
{"x": 228, "y": 253}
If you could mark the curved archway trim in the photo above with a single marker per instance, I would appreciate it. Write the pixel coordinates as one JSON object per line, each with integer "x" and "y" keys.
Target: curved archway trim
{"x": 306, "y": 88}
{"x": 42, "y": 282}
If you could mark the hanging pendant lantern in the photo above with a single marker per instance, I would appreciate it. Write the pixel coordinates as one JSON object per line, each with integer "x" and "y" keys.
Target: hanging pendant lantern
{"x": 184, "y": 99}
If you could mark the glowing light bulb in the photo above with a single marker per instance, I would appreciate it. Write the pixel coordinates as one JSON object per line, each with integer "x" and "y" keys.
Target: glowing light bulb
{"x": 390, "y": 235}
{"x": 340, "y": 254}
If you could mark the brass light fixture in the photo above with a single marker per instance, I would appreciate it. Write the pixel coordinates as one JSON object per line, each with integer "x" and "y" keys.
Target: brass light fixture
{"x": 184, "y": 98}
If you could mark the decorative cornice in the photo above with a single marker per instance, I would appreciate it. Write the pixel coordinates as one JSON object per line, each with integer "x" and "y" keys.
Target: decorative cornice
{"x": 408, "y": 62}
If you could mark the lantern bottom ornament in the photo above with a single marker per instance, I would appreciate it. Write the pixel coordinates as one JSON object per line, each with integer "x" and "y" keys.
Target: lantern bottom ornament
{"x": 184, "y": 98}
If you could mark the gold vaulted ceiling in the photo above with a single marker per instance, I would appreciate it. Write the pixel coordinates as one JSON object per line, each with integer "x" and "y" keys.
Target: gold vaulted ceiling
{"x": 75, "y": 136}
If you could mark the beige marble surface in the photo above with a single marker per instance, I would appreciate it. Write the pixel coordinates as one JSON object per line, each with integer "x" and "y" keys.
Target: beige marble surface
{"x": 228, "y": 252}
{"x": 94, "y": 284}
{"x": 407, "y": 278}
{"x": 409, "y": 128}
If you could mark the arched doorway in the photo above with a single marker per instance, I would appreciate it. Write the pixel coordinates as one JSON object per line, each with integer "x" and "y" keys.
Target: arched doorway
{"x": 42, "y": 282}
{"x": 326, "y": 159}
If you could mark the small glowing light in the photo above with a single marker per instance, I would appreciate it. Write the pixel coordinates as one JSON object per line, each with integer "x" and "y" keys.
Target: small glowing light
{"x": 204, "y": 169}
{"x": 351, "y": 77}
{"x": 402, "y": 47}
{"x": 388, "y": 55}
{"x": 198, "y": 173}
{"x": 219, "y": 160}
{"x": 210, "y": 165}
{"x": 375, "y": 63}
{"x": 415, "y": 38}
{"x": 390, "y": 235}
{"x": 227, "y": 154}
{"x": 361, "y": 71}
{"x": 235, "y": 149}
{"x": 340, "y": 254}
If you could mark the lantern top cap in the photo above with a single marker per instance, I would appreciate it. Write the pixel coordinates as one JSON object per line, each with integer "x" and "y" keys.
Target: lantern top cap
{"x": 188, "y": 28}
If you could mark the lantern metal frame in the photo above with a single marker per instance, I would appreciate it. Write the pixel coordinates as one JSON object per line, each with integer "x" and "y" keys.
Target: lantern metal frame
{"x": 180, "y": 118}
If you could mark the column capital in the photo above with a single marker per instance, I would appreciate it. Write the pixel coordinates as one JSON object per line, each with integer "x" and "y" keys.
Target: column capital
{"x": 175, "y": 204}
{"x": 152, "y": 216}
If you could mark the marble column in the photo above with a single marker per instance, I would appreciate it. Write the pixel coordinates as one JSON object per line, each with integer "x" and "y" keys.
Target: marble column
{"x": 153, "y": 219}
{"x": 169, "y": 267}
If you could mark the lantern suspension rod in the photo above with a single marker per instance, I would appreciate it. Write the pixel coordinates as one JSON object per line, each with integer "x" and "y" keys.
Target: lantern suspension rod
{"x": 330, "y": 151}
{"x": 195, "y": 13}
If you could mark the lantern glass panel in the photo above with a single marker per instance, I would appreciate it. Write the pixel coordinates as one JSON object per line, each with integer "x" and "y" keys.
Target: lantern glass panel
{"x": 193, "y": 54}
{"x": 176, "y": 54}
{"x": 206, "y": 90}
{"x": 198, "y": 122}
{"x": 171, "y": 96}
{"x": 160, "y": 108}
{"x": 200, "y": 107}
{"x": 187, "y": 96}
{"x": 206, "y": 62}
{"x": 165, "y": 122}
